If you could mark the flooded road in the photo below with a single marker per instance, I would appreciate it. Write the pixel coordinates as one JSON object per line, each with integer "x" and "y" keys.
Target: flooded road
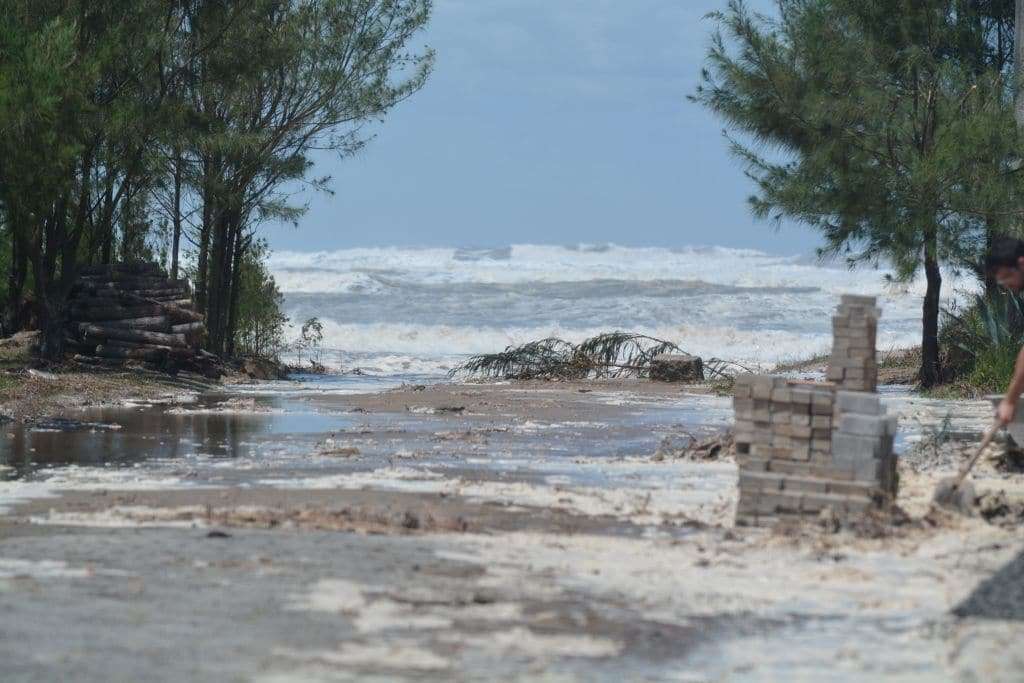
{"x": 454, "y": 533}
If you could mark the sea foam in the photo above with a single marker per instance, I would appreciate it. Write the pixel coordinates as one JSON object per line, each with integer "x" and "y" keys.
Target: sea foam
{"x": 419, "y": 311}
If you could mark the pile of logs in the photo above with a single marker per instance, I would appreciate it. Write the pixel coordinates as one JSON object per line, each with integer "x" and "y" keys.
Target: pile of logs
{"x": 134, "y": 312}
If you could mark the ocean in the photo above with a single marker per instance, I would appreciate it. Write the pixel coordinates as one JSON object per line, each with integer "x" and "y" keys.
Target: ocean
{"x": 414, "y": 313}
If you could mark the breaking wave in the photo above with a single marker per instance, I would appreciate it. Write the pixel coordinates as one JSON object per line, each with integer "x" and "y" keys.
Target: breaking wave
{"x": 398, "y": 311}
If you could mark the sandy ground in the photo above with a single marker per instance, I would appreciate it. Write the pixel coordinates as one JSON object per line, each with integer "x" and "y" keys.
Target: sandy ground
{"x": 483, "y": 532}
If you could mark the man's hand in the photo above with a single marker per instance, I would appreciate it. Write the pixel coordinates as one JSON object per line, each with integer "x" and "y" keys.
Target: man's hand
{"x": 1005, "y": 412}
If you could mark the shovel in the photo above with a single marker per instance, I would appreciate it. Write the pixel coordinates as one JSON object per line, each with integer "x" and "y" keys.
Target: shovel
{"x": 953, "y": 493}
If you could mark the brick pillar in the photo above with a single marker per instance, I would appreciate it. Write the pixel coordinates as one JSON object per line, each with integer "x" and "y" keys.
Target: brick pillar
{"x": 853, "y": 365}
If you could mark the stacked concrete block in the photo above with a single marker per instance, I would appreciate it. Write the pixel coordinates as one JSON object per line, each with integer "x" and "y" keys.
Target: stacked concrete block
{"x": 803, "y": 447}
{"x": 863, "y": 440}
{"x": 853, "y": 364}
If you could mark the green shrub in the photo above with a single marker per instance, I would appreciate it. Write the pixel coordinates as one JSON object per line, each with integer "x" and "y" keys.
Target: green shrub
{"x": 261, "y": 323}
{"x": 993, "y": 368}
{"x": 981, "y": 342}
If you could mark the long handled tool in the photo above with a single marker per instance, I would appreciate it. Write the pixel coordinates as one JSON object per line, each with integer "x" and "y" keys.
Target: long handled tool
{"x": 953, "y": 493}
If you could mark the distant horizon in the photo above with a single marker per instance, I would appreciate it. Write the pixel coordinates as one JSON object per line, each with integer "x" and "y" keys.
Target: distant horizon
{"x": 571, "y": 246}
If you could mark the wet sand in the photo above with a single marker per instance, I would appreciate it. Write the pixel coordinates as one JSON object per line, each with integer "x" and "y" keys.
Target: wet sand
{"x": 476, "y": 532}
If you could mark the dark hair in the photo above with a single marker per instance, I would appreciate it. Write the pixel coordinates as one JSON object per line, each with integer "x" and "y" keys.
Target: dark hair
{"x": 1005, "y": 252}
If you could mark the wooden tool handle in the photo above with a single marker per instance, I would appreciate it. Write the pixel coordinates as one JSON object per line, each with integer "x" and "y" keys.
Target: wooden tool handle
{"x": 990, "y": 434}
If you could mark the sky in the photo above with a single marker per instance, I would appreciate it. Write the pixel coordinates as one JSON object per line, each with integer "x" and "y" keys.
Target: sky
{"x": 548, "y": 122}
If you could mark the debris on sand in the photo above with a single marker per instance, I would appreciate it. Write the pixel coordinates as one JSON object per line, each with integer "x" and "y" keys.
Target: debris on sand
{"x": 690, "y": 447}
{"x": 336, "y": 449}
{"x": 438, "y": 410}
{"x": 874, "y": 524}
{"x": 39, "y": 374}
{"x": 1001, "y": 509}
{"x": 613, "y": 354}
{"x": 238, "y": 404}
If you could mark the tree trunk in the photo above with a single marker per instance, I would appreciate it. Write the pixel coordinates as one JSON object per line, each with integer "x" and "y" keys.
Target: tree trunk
{"x": 127, "y": 231}
{"x": 107, "y": 251}
{"x": 176, "y": 217}
{"x": 225, "y": 237}
{"x": 930, "y": 370}
{"x": 236, "y": 281}
{"x": 214, "y": 289}
{"x": 52, "y": 314}
{"x": 991, "y": 286}
{"x": 1018, "y": 57}
{"x": 16, "y": 317}
{"x": 100, "y": 239}
{"x": 202, "y": 260}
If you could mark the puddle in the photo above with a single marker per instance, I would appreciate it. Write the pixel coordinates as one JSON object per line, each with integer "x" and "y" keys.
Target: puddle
{"x": 214, "y": 426}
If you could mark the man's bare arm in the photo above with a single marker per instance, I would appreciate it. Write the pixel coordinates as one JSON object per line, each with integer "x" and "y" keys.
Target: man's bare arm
{"x": 1008, "y": 408}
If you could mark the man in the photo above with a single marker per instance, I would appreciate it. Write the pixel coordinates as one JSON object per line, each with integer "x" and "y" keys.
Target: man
{"x": 1005, "y": 261}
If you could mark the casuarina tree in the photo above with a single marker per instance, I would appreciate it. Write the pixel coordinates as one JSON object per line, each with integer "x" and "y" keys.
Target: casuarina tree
{"x": 881, "y": 123}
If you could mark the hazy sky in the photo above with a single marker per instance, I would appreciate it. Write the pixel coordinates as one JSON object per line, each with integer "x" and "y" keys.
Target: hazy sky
{"x": 548, "y": 121}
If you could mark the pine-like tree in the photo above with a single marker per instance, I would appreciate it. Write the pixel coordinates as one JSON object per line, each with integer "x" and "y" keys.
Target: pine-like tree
{"x": 888, "y": 125}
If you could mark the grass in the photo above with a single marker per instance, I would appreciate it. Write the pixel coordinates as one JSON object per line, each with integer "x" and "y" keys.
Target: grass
{"x": 993, "y": 368}
{"x": 979, "y": 346}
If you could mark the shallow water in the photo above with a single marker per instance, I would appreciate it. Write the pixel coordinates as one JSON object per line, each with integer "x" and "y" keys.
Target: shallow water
{"x": 211, "y": 427}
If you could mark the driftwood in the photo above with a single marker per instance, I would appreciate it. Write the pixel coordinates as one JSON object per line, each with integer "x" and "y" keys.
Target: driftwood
{"x": 179, "y": 315}
{"x": 173, "y": 351}
{"x": 162, "y": 294}
{"x": 106, "y": 351}
{"x": 188, "y": 329}
{"x": 133, "y": 312}
{"x": 106, "y": 301}
{"x": 102, "y": 332}
{"x": 88, "y": 359}
{"x": 89, "y": 314}
{"x": 120, "y": 268}
{"x": 156, "y": 323}
{"x": 93, "y": 284}
{"x": 106, "y": 290}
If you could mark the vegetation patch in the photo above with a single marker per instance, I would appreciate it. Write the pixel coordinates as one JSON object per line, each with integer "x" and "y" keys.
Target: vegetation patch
{"x": 610, "y": 355}
{"x": 981, "y": 342}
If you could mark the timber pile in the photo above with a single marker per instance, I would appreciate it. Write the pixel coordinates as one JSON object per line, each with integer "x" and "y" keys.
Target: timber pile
{"x": 134, "y": 312}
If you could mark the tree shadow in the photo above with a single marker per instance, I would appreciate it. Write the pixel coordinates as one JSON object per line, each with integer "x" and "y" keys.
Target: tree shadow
{"x": 1001, "y": 596}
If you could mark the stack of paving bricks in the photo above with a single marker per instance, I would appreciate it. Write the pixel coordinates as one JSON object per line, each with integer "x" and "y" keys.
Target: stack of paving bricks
{"x": 853, "y": 364}
{"x": 804, "y": 447}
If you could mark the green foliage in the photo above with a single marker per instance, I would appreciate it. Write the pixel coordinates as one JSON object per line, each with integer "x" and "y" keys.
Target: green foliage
{"x": 261, "y": 323}
{"x": 290, "y": 78}
{"x": 81, "y": 96}
{"x": 128, "y": 127}
{"x": 993, "y": 368}
{"x": 547, "y": 358}
{"x": 886, "y": 124}
{"x": 982, "y": 341}
{"x": 311, "y": 337}
{"x": 613, "y": 354}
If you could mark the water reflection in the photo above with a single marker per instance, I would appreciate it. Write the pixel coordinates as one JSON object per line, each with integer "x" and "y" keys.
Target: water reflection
{"x": 126, "y": 435}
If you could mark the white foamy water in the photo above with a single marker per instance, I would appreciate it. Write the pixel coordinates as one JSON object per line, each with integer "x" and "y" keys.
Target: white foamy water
{"x": 409, "y": 311}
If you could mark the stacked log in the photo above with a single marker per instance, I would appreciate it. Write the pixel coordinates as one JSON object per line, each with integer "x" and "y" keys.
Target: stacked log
{"x": 134, "y": 312}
